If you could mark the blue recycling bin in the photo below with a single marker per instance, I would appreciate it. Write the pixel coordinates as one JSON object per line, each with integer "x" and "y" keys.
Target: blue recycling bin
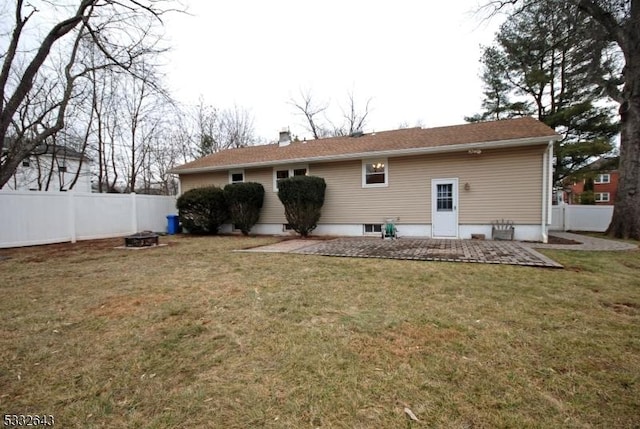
{"x": 173, "y": 224}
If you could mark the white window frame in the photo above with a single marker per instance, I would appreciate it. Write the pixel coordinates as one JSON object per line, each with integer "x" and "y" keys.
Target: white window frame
{"x": 600, "y": 179}
{"x": 232, "y": 172}
{"x": 290, "y": 169}
{"x": 383, "y": 161}
{"x": 601, "y": 195}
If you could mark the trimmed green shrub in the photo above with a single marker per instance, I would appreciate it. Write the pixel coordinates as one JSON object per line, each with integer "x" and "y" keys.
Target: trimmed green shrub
{"x": 245, "y": 201}
{"x": 302, "y": 197}
{"x": 203, "y": 210}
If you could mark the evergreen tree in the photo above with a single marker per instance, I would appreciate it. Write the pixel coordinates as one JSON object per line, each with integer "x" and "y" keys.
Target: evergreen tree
{"x": 542, "y": 66}
{"x": 498, "y": 91}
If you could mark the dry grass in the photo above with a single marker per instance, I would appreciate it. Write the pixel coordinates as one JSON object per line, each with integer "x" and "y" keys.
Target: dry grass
{"x": 195, "y": 335}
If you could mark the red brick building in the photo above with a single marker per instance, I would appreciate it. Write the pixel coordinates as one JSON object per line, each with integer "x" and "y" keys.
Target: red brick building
{"x": 605, "y": 185}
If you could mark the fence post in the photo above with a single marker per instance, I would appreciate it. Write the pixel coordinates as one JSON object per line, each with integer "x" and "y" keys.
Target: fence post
{"x": 134, "y": 215}
{"x": 72, "y": 216}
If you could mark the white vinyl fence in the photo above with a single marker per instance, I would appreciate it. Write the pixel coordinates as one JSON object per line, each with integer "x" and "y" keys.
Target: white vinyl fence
{"x": 30, "y": 218}
{"x": 574, "y": 217}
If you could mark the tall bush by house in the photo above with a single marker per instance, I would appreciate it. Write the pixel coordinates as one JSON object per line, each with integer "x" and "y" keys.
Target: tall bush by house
{"x": 203, "y": 210}
{"x": 245, "y": 201}
{"x": 302, "y": 197}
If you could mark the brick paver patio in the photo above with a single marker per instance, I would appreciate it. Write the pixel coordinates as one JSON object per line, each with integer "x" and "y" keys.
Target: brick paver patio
{"x": 424, "y": 249}
{"x": 487, "y": 252}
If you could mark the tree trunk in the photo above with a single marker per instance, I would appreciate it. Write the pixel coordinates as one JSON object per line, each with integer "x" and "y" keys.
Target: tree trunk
{"x": 625, "y": 222}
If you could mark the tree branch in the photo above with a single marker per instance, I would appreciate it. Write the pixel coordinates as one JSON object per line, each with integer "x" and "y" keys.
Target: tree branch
{"x": 12, "y": 49}
{"x": 604, "y": 18}
{"x": 26, "y": 82}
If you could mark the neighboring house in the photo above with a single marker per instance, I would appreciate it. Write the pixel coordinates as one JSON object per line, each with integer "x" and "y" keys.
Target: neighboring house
{"x": 52, "y": 168}
{"x": 448, "y": 182}
{"x": 603, "y": 181}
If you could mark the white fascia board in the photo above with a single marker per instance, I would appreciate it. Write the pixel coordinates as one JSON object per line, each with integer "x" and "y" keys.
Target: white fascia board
{"x": 499, "y": 144}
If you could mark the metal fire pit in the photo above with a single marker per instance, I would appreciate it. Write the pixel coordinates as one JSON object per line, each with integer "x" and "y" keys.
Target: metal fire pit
{"x": 141, "y": 239}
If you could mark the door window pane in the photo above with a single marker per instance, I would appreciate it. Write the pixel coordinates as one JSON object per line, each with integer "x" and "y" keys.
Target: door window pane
{"x": 445, "y": 197}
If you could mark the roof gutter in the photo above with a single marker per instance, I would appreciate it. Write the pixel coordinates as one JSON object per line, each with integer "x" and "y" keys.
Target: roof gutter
{"x": 498, "y": 144}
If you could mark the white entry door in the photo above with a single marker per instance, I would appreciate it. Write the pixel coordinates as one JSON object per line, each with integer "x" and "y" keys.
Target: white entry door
{"x": 444, "y": 208}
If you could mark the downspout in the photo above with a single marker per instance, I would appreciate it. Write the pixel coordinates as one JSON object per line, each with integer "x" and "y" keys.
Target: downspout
{"x": 547, "y": 174}
{"x": 551, "y": 185}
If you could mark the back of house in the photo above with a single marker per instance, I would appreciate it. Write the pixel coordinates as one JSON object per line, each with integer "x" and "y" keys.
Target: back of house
{"x": 445, "y": 182}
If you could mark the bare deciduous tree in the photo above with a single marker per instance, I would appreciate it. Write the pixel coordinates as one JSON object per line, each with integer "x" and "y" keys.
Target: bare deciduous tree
{"x": 353, "y": 120}
{"x": 122, "y": 32}
{"x": 142, "y": 104}
{"x": 219, "y": 129}
{"x": 312, "y": 110}
{"x": 236, "y": 127}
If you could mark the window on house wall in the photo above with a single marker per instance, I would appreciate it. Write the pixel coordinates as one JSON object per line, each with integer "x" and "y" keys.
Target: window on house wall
{"x": 236, "y": 176}
{"x": 280, "y": 173}
{"x": 374, "y": 173}
{"x": 370, "y": 228}
{"x": 62, "y": 169}
{"x": 603, "y": 178}
{"x": 26, "y": 163}
{"x": 602, "y": 197}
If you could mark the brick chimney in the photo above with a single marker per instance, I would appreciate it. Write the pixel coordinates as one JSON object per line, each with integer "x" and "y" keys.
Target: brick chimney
{"x": 285, "y": 138}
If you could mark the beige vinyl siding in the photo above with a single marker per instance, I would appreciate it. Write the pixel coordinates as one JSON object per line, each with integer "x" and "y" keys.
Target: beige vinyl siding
{"x": 504, "y": 184}
{"x": 347, "y": 202}
{"x": 199, "y": 180}
{"x": 272, "y": 209}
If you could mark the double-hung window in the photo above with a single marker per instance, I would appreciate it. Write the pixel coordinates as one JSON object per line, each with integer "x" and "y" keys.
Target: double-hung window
{"x": 602, "y": 197}
{"x": 375, "y": 173}
{"x": 280, "y": 173}
{"x": 602, "y": 178}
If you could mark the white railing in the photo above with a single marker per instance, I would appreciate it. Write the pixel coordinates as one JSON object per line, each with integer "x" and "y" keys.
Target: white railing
{"x": 574, "y": 217}
{"x": 30, "y": 218}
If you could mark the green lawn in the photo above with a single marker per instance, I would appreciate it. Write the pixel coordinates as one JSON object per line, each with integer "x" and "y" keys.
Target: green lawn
{"x": 195, "y": 335}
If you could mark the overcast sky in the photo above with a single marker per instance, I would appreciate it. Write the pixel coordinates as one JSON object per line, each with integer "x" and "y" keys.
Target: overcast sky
{"x": 417, "y": 60}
